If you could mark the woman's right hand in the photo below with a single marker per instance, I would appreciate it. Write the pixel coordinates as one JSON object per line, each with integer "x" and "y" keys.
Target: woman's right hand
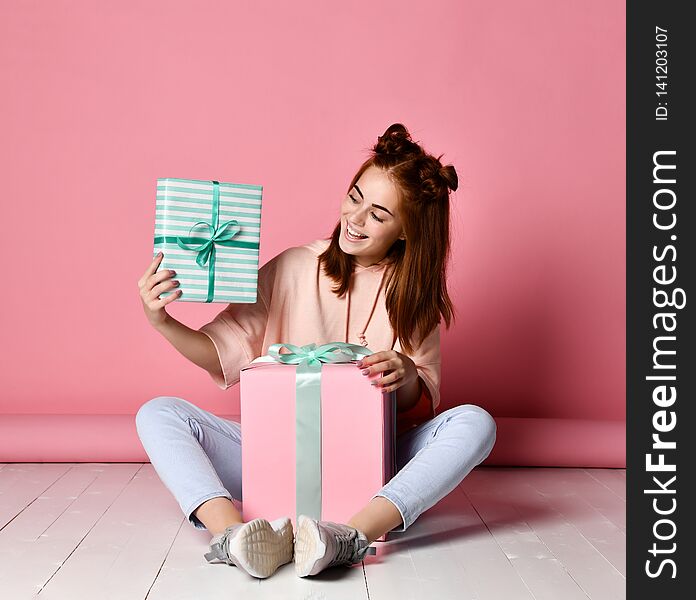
{"x": 151, "y": 285}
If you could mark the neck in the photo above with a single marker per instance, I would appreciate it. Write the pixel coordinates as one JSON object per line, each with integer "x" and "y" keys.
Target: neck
{"x": 371, "y": 262}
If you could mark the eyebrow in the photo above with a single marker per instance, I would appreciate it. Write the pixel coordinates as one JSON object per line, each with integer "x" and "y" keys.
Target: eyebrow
{"x": 375, "y": 205}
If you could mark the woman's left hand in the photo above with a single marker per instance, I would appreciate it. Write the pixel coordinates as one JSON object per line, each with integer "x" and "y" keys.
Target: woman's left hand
{"x": 398, "y": 369}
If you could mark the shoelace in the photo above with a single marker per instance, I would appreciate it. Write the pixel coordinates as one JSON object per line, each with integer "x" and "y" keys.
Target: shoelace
{"x": 346, "y": 548}
{"x": 349, "y": 550}
{"x": 219, "y": 548}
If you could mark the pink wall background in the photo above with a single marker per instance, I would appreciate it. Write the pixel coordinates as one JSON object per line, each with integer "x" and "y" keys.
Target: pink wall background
{"x": 526, "y": 99}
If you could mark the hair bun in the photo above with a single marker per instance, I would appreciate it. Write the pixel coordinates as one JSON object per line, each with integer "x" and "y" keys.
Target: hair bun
{"x": 436, "y": 180}
{"x": 396, "y": 140}
{"x": 449, "y": 175}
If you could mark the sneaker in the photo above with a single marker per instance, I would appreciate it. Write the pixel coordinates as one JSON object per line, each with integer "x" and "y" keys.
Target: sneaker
{"x": 258, "y": 547}
{"x": 323, "y": 544}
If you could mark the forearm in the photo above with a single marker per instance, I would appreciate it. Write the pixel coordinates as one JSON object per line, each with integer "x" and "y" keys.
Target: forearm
{"x": 194, "y": 345}
{"x": 407, "y": 396}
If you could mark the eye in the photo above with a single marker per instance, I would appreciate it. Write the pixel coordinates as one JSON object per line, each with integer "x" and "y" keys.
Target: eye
{"x": 376, "y": 218}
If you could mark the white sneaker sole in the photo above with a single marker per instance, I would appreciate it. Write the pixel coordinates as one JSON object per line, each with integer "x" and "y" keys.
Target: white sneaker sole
{"x": 309, "y": 547}
{"x": 259, "y": 549}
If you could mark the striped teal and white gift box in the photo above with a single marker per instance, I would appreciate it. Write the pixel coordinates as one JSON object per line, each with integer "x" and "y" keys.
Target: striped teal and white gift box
{"x": 209, "y": 232}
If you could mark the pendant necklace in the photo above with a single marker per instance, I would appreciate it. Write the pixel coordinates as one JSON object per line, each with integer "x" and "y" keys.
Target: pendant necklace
{"x": 361, "y": 335}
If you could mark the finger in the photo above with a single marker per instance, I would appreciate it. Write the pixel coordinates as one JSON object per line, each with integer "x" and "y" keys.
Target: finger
{"x": 151, "y": 269}
{"x": 153, "y": 280}
{"x": 160, "y": 302}
{"x": 162, "y": 275}
{"x": 155, "y": 263}
{"x": 388, "y": 378}
{"x": 385, "y": 389}
{"x": 379, "y": 367}
{"x": 367, "y": 360}
{"x": 165, "y": 286}
{"x": 375, "y": 357}
{"x": 175, "y": 295}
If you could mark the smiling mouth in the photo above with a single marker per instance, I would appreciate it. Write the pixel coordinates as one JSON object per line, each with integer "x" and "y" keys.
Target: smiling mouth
{"x": 353, "y": 236}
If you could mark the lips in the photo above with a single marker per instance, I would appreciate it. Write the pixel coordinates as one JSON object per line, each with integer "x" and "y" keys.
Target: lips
{"x": 352, "y": 240}
{"x": 354, "y": 229}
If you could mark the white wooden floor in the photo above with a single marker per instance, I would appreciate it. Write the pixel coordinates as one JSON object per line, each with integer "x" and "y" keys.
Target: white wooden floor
{"x": 81, "y": 531}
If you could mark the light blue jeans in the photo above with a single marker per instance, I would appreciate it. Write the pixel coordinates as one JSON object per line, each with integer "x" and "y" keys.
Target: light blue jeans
{"x": 197, "y": 455}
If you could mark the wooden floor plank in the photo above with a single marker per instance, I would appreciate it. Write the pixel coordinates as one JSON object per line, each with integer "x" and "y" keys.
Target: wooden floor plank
{"x": 586, "y": 565}
{"x": 540, "y": 569}
{"x": 123, "y": 552}
{"x": 391, "y": 571}
{"x": 38, "y": 515}
{"x": 341, "y": 583}
{"x": 454, "y": 555}
{"x": 75, "y": 530}
{"x": 186, "y": 574}
{"x": 490, "y": 571}
{"x": 563, "y": 490}
{"x": 422, "y": 560}
{"x": 605, "y": 501}
{"x": 613, "y": 479}
{"x": 21, "y": 484}
{"x": 34, "y": 562}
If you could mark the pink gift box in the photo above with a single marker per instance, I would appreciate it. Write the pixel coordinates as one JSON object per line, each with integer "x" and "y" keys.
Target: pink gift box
{"x": 357, "y": 440}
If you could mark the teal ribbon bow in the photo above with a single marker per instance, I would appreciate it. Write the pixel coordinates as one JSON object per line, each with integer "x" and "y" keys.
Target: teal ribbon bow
{"x": 217, "y": 234}
{"x": 309, "y": 360}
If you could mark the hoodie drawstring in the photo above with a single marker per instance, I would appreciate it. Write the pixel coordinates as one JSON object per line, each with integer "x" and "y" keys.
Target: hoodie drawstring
{"x": 361, "y": 335}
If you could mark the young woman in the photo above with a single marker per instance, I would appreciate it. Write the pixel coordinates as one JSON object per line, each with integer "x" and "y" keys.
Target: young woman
{"x": 379, "y": 281}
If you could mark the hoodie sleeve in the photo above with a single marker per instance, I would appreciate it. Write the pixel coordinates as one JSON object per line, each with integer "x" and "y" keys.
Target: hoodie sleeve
{"x": 238, "y": 330}
{"x": 427, "y": 359}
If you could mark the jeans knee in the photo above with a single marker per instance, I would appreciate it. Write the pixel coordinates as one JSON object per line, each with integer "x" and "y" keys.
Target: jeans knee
{"x": 152, "y": 409}
{"x": 485, "y": 423}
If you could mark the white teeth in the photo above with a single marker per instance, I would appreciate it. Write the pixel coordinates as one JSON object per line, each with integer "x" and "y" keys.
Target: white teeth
{"x": 354, "y": 233}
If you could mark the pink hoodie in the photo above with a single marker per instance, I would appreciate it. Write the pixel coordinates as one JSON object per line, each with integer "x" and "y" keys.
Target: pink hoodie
{"x": 296, "y": 305}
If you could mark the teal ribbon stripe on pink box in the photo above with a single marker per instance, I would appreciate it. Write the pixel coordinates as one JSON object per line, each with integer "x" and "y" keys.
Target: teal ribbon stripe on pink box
{"x": 209, "y": 232}
{"x": 318, "y": 439}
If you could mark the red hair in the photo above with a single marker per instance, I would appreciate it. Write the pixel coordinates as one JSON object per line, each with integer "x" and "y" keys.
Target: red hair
{"x": 416, "y": 287}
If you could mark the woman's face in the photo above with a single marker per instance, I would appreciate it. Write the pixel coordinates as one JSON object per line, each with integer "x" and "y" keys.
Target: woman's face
{"x": 370, "y": 208}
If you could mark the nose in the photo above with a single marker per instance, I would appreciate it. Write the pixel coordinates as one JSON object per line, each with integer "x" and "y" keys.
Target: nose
{"x": 357, "y": 217}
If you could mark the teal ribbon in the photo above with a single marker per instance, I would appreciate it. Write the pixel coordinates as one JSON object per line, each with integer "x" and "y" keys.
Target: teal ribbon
{"x": 217, "y": 233}
{"x": 309, "y": 360}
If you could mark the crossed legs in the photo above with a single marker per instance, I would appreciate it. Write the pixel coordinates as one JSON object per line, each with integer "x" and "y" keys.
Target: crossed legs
{"x": 203, "y": 470}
